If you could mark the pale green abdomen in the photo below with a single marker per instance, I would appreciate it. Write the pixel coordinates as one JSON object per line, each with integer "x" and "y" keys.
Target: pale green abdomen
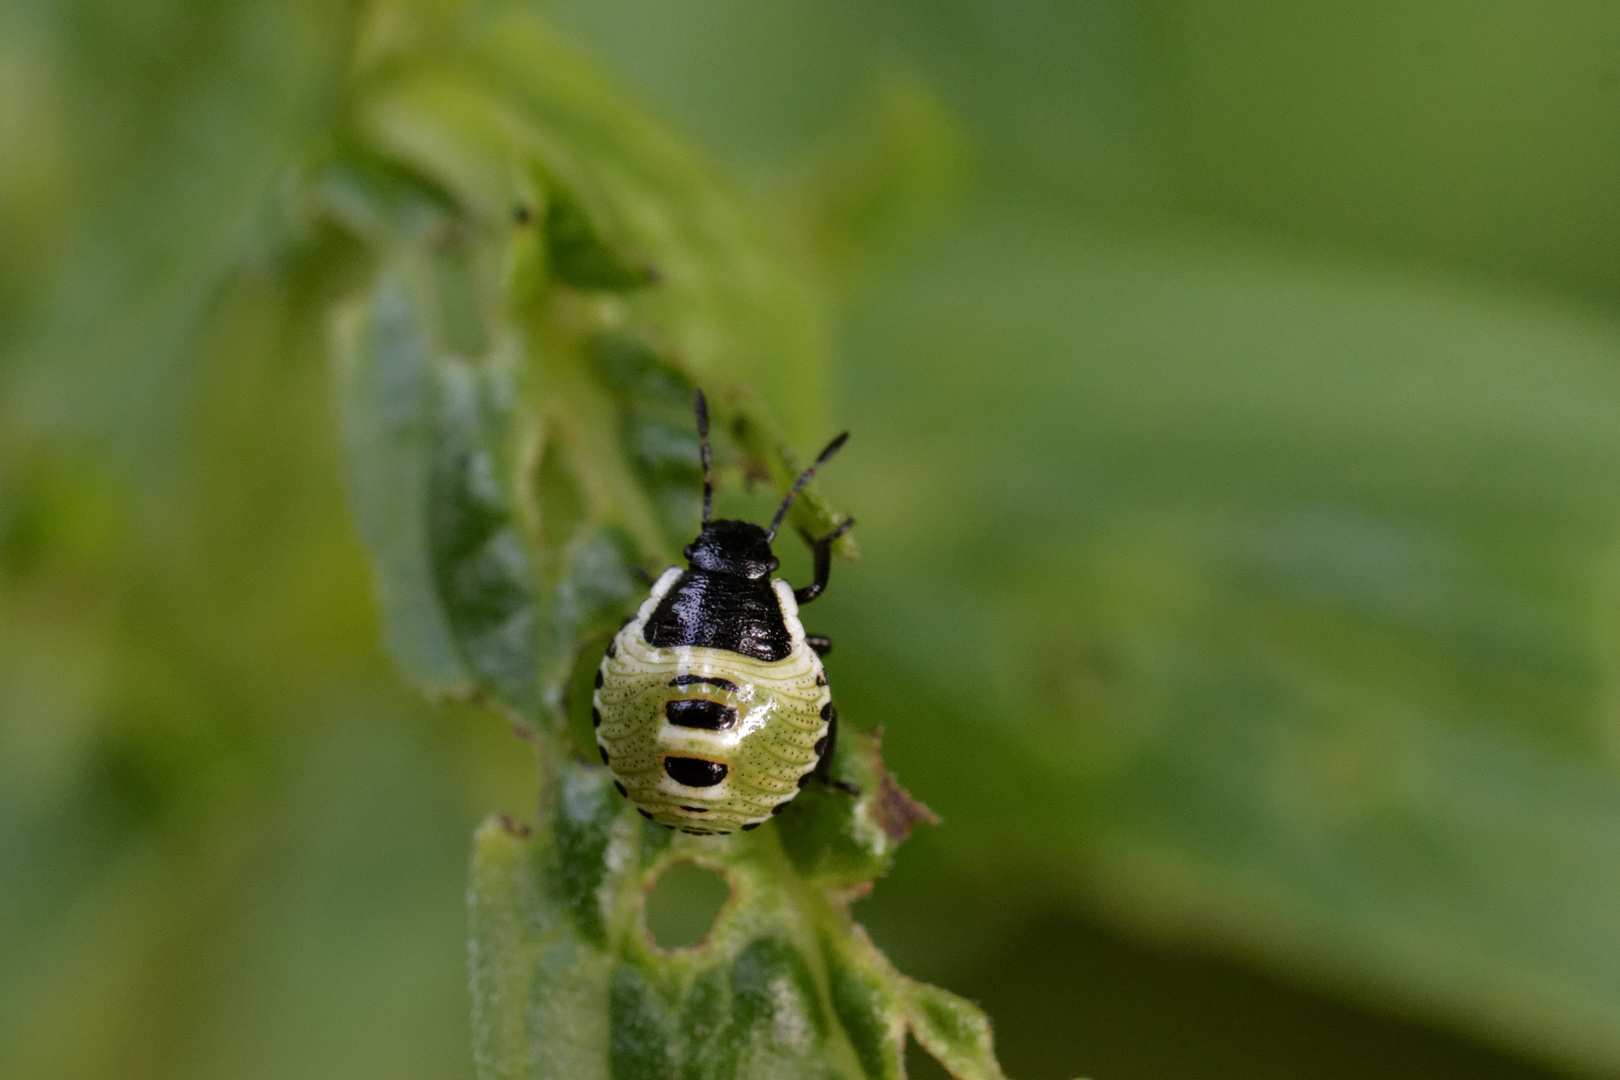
{"x": 774, "y": 716}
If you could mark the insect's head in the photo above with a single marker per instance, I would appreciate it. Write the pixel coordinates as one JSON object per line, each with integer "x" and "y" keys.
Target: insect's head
{"x": 740, "y": 547}
{"x": 732, "y": 547}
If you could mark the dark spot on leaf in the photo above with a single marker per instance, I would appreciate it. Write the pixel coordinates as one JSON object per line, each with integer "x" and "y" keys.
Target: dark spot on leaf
{"x": 512, "y": 826}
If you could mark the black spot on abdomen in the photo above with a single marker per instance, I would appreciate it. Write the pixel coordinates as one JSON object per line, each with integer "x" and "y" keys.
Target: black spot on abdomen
{"x": 695, "y": 772}
{"x": 700, "y": 713}
{"x": 704, "y": 680}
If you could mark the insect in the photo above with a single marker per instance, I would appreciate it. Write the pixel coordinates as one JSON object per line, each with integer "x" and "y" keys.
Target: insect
{"x": 711, "y": 707}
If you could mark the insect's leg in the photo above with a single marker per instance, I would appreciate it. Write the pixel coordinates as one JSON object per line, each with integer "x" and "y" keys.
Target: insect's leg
{"x": 819, "y": 644}
{"x": 823, "y": 770}
{"x": 822, "y": 548}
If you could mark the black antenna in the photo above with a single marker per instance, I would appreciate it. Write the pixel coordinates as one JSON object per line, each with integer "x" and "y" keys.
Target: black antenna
{"x": 798, "y": 485}
{"x": 702, "y": 407}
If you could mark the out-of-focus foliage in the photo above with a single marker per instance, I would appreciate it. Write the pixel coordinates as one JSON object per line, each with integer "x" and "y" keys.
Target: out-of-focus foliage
{"x": 1237, "y": 482}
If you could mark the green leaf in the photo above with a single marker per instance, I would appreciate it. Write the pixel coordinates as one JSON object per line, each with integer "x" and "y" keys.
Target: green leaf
{"x": 424, "y": 433}
{"x": 568, "y": 983}
{"x": 580, "y": 256}
{"x": 954, "y": 1031}
{"x": 480, "y": 560}
{"x": 841, "y": 843}
{"x": 385, "y": 390}
{"x": 731, "y": 301}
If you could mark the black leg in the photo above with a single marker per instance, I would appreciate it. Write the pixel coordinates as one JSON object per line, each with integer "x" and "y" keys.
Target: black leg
{"x": 824, "y": 764}
{"x": 819, "y": 644}
{"x": 823, "y": 553}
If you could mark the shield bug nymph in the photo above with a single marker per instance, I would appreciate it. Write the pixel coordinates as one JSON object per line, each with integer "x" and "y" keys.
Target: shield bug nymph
{"x": 711, "y": 707}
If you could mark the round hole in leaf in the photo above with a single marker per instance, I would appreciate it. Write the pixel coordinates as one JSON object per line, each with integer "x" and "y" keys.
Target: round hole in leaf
{"x": 682, "y": 905}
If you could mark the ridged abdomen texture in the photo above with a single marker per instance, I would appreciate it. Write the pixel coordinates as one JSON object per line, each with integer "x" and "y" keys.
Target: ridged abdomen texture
{"x": 708, "y": 740}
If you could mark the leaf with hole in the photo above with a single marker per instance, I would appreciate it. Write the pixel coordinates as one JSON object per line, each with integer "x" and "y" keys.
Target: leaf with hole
{"x": 783, "y": 984}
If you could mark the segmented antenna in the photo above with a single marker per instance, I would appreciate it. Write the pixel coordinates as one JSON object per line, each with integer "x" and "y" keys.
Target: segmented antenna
{"x": 702, "y": 407}
{"x": 798, "y": 485}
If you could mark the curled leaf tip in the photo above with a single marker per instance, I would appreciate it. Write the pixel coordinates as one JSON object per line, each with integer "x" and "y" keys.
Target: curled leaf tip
{"x": 896, "y": 812}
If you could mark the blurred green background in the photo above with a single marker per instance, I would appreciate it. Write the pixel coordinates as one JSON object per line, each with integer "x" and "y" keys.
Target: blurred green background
{"x": 1238, "y": 469}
